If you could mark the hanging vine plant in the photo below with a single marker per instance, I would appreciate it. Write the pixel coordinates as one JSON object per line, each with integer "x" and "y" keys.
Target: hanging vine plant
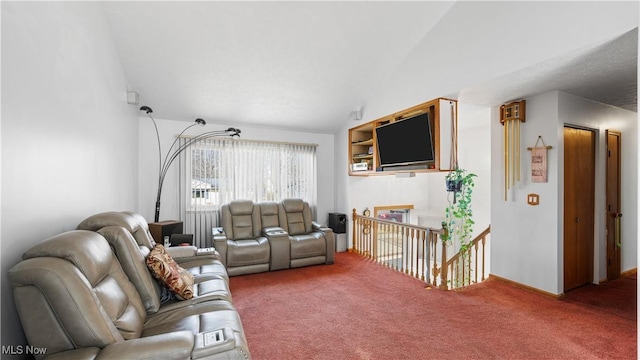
{"x": 458, "y": 222}
{"x": 459, "y": 215}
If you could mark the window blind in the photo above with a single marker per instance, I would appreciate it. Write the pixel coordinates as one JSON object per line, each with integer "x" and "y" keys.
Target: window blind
{"x": 215, "y": 171}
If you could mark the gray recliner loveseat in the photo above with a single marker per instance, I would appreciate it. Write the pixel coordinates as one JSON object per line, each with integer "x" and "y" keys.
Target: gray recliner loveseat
{"x": 268, "y": 236}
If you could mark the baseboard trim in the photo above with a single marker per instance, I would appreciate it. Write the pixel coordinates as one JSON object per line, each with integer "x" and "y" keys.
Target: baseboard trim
{"x": 527, "y": 287}
{"x": 626, "y": 273}
{"x": 629, "y": 272}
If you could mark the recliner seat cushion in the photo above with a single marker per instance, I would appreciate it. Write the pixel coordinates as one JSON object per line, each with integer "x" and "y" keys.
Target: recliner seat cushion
{"x": 248, "y": 252}
{"x": 196, "y": 318}
{"x": 308, "y": 245}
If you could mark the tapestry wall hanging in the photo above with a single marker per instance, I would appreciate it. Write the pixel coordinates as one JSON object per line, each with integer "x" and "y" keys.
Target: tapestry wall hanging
{"x": 539, "y": 161}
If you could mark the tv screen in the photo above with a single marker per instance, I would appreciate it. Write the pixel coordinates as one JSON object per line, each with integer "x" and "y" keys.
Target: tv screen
{"x": 405, "y": 142}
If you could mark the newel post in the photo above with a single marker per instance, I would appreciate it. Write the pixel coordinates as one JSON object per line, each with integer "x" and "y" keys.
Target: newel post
{"x": 353, "y": 230}
{"x": 443, "y": 264}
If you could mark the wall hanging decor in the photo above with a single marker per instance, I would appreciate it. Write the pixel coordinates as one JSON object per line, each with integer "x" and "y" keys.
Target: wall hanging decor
{"x": 539, "y": 161}
{"x": 511, "y": 115}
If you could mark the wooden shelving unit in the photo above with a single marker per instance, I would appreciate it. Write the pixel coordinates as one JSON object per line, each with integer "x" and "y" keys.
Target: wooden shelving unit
{"x": 363, "y": 144}
{"x": 361, "y": 149}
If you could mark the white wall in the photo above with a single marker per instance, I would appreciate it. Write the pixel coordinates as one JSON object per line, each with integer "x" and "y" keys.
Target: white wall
{"x": 148, "y": 157}
{"x": 69, "y": 139}
{"x": 524, "y": 238}
{"x": 527, "y": 241}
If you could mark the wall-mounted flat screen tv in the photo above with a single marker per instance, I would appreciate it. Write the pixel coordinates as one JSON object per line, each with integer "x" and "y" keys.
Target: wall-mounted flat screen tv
{"x": 405, "y": 142}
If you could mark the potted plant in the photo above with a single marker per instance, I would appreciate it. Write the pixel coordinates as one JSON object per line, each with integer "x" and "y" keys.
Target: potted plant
{"x": 453, "y": 180}
{"x": 458, "y": 214}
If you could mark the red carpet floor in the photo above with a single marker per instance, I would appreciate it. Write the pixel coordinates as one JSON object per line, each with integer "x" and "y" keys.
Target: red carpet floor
{"x": 356, "y": 309}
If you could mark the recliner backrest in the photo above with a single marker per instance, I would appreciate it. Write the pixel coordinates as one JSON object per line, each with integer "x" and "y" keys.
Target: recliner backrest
{"x": 132, "y": 258}
{"x": 119, "y": 229}
{"x": 241, "y": 220}
{"x": 295, "y": 216}
{"x": 269, "y": 214}
{"x": 71, "y": 292}
{"x": 133, "y": 222}
{"x": 141, "y": 233}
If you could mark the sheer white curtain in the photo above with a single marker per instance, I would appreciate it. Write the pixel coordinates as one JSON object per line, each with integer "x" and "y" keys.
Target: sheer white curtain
{"x": 216, "y": 171}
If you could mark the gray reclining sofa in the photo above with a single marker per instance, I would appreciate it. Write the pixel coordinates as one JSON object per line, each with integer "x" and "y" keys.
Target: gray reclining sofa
{"x": 268, "y": 236}
{"x": 89, "y": 294}
{"x": 74, "y": 299}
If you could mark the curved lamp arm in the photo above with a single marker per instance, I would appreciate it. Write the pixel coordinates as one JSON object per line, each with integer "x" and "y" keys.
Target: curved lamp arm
{"x": 164, "y": 165}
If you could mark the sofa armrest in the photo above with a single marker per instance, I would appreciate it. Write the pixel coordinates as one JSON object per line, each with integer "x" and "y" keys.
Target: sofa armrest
{"x": 209, "y": 252}
{"x": 178, "y": 252}
{"x": 213, "y": 342}
{"x": 88, "y": 353}
{"x": 192, "y": 253}
{"x": 316, "y": 226}
{"x": 279, "y": 246}
{"x": 220, "y": 245}
{"x": 330, "y": 239}
{"x": 273, "y": 231}
{"x": 174, "y": 345}
{"x": 217, "y": 231}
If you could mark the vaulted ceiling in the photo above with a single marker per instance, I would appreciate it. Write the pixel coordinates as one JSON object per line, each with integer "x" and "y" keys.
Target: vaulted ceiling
{"x": 605, "y": 72}
{"x": 309, "y": 65}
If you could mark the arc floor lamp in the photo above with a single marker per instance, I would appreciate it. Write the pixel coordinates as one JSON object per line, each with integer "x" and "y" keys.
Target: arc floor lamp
{"x": 174, "y": 151}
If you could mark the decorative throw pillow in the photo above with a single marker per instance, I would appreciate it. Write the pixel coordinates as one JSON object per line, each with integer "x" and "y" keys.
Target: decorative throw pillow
{"x": 165, "y": 269}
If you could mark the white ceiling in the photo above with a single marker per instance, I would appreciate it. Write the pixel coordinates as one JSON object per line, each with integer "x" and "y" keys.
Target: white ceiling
{"x": 310, "y": 65}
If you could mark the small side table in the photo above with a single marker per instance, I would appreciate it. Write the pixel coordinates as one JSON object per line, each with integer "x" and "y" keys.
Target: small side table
{"x": 165, "y": 228}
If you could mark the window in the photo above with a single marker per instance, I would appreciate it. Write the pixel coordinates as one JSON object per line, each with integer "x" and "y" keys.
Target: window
{"x": 221, "y": 170}
{"x": 216, "y": 171}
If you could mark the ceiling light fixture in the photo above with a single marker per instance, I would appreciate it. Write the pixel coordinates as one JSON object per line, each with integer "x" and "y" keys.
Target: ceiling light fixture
{"x": 172, "y": 154}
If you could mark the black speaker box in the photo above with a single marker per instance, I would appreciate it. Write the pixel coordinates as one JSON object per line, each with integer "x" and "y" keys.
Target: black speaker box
{"x": 338, "y": 223}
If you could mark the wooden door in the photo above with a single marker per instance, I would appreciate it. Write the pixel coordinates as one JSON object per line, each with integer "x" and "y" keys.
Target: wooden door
{"x": 614, "y": 215}
{"x": 579, "y": 206}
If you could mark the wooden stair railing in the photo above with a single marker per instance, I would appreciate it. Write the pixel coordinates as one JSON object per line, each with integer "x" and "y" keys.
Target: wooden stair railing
{"x": 407, "y": 248}
{"x": 414, "y": 250}
{"x": 461, "y": 269}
